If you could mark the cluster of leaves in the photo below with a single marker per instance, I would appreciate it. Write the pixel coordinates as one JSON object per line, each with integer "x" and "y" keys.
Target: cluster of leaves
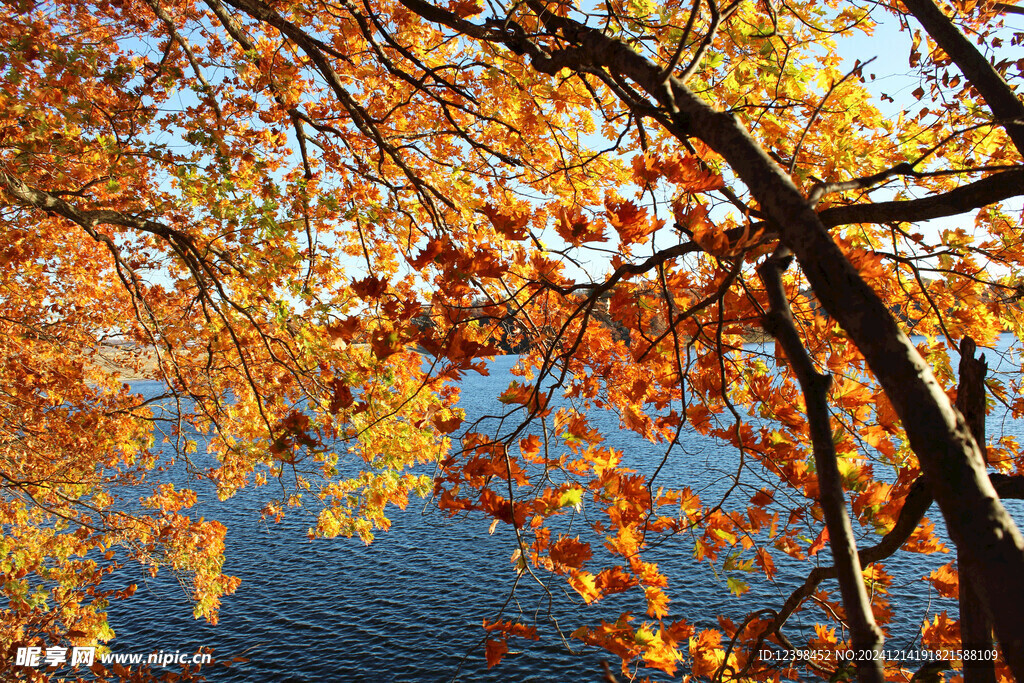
{"x": 309, "y": 221}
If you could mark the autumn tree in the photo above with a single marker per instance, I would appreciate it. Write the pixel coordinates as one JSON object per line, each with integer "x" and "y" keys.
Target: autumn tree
{"x": 310, "y": 220}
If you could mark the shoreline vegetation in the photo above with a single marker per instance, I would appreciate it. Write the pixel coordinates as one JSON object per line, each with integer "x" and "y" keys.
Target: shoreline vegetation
{"x": 123, "y": 359}
{"x": 130, "y": 363}
{"x": 126, "y": 361}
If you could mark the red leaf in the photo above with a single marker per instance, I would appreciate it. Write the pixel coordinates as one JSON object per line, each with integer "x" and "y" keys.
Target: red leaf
{"x": 494, "y": 651}
{"x": 512, "y": 226}
{"x": 341, "y": 398}
{"x": 819, "y": 542}
{"x": 447, "y": 426}
{"x": 369, "y": 287}
{"x": 345, "y": 329}
{"x": 630, "y": 221}
{"x": 466, "y": 8}
{"x": 430, "y": 252}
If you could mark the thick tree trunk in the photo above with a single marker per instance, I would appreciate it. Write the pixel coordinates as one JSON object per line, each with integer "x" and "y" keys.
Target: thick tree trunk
{"x": 997, "y": 94}
{"x": 991, "y": 546}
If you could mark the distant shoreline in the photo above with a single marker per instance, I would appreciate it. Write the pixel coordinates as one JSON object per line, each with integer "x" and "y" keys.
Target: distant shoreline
{"x": 128, "y": 366}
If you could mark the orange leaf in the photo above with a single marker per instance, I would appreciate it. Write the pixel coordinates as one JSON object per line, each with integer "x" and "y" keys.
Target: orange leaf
{"x": 946, "y": 580}
{"x": 369, "y": 287}
{"x": 575, "y": 228}
{"x": 584, "y": 583}
{"x": 494, "y": 650}
{"x": 512, "y": 225}
{"x": 447, "y": 426}
{"x": 657, "y": 602}
{"x": 819, "y": 542}
{"x": 569, "y": 552}
{"x": 629, "y": 221}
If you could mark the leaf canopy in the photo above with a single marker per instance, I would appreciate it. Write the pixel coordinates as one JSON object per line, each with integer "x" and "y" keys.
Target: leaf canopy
{"x": 309, "y": 221}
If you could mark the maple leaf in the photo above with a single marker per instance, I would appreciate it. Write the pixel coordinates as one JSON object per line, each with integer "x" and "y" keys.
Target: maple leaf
{"x": 765, "y": 562}
{"x": 585, "y": 584}
{"x": 511, "y": 628}
{"x": 494, "y": 651}
{"x": 569, "y": 552}
{"x": 447, "y": 426}
{"x": 575, "y": 228}
{"x": 530, "y": 447}
{"x": 369, "y": 287}
{"x": 512, "y": 226}
{"x": 466, "y": 8}
{"x": 646, "y": 168}
{"x": 346, "y": 329}
{"x": 695, "y": 176}
{"x": 614, "y": 580}
{"x": 940, "y": 632}
{"x": 762, "y": 498}
{"x": 341, "y": 396}
{"x": 630, "y": 221}
{"x": 945, "y": 580}
{"x": 433, "y": 249}
{"x": 706, "y": 652}
{"x": 385, "y": 343}
{"x": 261, "y": 253}
{"x": 662, "y": 655}
{"x": 818, "y": 543}
{"x": 657, "y": 602}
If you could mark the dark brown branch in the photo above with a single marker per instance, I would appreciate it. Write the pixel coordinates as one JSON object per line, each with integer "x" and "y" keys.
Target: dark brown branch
{"x": 821, "y": 189}
{"x": 970, "y": 395}
{"x": 915, "y": 506}
{"x": 949, "y": 457}
{"x": 975, "y": 624}
{"x": 982, "y": 75}
{"x": 995, "y": 188}
{"x": 705, "y": 43}
{"x": 49, "y": 202}
{"x": 360, "y": 117}
{"x": 865, "y": 635}
{"x": 1009, "y": 9}
{"x": 674, "y": 61}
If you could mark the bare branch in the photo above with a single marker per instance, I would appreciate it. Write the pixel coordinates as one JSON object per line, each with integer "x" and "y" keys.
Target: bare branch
{"x": 995, "y": 188}
{"x": 865, "y": 634}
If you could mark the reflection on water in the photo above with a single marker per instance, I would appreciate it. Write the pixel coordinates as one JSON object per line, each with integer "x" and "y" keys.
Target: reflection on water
{"x": 410, "y": 606}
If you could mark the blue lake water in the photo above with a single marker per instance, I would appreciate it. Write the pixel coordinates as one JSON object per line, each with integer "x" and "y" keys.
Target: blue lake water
{"x": 409, "y": 607}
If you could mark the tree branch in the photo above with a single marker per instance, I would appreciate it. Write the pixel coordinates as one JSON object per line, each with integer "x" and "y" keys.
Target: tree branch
{"x": 865, "y": 635}
{"x": 995, "y": 188}
{"x": 915, "y": 506}
{"x": 982, "y": 75}
{"x": 975, "y": 625}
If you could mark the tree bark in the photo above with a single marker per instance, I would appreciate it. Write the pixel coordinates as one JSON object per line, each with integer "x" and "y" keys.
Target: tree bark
{"x": 990, "y": 543}
{"x": 865, "y": 636}
{"x": 975, "y": 625}
{"x": 915, "y": 505}
{"x": 999, "y": 97}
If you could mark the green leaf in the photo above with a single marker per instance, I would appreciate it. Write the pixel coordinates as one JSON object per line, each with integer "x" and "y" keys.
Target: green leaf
{"x": 571, "y": 497}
